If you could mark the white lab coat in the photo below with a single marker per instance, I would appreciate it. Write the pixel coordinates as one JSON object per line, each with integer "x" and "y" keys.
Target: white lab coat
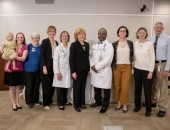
{"x": 102, "y": 79}
{"x": 61, "y": 65}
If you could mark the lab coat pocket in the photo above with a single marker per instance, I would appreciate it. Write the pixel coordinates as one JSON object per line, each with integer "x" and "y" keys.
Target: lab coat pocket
{"x": 104, "y": 72}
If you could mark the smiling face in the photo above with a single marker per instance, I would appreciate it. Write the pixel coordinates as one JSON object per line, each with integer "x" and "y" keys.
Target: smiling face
{"x": 81, "y": 36}
{"x": 64, "y": 38}
{"x": 141, "y": 34}
{"x": 158, "y": 29}
{"x": 102, "y": 35}
{"x": 20, "y": 38}
{"x": 122, "y": 33}
{"x": 35, "y": 40}
{"x": 51, "y": 33}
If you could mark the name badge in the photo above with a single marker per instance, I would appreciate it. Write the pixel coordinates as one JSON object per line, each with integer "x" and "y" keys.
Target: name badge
{"x": 100, "y": 57}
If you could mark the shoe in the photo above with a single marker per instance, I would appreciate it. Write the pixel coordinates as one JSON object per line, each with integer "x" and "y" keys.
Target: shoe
{"x": 169, "y": 86}
{"x": 38, "y": 103}
{"x": 103, "y": 110}
{"x": 83, "y": 107}
{"x": 95, "y": 105}
{"x": 30, "y": 105}
{"x": 47, "y": 108}
{"x": 14, "y": 109}
{"x": 116, "y": 109}
{"x": 161, "y": 113}
{"x": 124, "y": 111}
{"x": 136, "y": 110}
{"x": 54, "y": 103}
{"x": 61, "y": 108}
{"x": 78, "y": 110}
{"x": 68, "y": 104}
{"x": 19, "y": 107}
{"x": 147, "y": 114}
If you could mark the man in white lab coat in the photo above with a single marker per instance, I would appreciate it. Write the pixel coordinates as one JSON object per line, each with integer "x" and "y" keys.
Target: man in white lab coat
{"x": 100, "y": 62}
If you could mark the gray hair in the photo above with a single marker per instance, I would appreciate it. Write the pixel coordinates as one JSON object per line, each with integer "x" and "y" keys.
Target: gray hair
{"x": 35, "y": 34}
{"x": 159, "y": 23}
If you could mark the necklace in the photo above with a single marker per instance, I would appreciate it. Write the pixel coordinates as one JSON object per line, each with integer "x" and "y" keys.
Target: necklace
{"x": 141, "y": 43}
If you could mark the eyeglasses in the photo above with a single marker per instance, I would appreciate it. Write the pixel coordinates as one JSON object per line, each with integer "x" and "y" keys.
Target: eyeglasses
{"x": 122, "y": 31}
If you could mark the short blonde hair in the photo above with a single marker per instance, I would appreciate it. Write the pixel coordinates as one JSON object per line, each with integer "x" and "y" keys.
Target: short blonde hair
{"x": 67, "y": 35}
{"x": 78, "y": 31}
{"x": 35, "y": 34}
{"x": 50, "y": 28}
{"x": 11, "y": 34}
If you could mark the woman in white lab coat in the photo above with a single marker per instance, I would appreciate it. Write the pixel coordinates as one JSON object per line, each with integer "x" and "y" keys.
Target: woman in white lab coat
{"x": 62, "y": 76}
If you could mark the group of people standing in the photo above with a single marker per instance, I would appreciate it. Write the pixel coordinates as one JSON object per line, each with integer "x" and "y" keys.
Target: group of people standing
{"x": 57, "y": 65}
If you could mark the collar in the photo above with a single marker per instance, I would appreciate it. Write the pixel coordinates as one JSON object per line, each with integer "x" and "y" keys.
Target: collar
{"x": 102, "y": 41}
{"x": 161, "y": 35}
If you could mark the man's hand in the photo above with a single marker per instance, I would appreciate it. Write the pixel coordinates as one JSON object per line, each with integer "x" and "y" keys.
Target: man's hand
{"x": 59, "y": 77}
{"x": 149, "y": 75}
{"x": 94, "y": 69}
{"x": 165, "y": 74}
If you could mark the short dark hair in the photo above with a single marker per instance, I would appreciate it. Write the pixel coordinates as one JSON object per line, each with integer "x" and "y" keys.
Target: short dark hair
{"x": 142, "y": 28}
{"x": 127, "y": 31}
{"x": 103, "y": 29}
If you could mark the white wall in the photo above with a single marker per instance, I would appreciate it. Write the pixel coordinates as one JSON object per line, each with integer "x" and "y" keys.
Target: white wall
{"x": 26, "y": 16}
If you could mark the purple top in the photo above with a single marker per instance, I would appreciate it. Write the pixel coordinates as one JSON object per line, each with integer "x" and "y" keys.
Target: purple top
{"x": 19, "y": 64}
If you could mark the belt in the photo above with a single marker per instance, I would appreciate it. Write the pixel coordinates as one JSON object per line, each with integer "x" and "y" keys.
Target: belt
{"x": 160, "y": 60}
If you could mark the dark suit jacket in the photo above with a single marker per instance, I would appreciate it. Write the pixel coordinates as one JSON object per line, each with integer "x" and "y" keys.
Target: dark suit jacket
{"x": 46, "y": 52}
{"x": 79, "y": 59}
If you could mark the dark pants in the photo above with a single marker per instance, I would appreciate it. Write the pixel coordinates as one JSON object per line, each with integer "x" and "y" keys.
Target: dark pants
{"x": 32, "y": 83}
{"x": 98, "y": 97}
{"x": 48, "y": 89}
{"x": 79, "y": 89}
{"x": 62, "y": 96}
{"x": 140, "y": 77}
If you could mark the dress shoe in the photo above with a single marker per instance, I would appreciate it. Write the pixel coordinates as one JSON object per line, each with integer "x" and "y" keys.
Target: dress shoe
{"x": 103, "y": 110}
{"x": 95, "y": 105}
{"x": 83, "y": 107}
{"x": 147, "y": 114}
{"x": 124, "y": 111}
{"x": 68, "y": 104}
{"x": 46, "y": 107}
{"x": 136, "y": 110}
{"x": 61, "y": 108}
{"x": 19, "y": 107}
{"x": 116, "y": 109}
{"x": 38, "y": 103}
{"x": 161, "y": 113}
{"x": 30, "y": 105}
{"x": 14, "y": 109}
{"x": 78, "y": 110}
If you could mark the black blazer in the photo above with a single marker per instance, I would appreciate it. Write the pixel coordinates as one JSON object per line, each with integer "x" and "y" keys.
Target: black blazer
{"x": 46, "y": 52}
{"x": 79, "y": 59}
{"x": 115, "y": 46}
